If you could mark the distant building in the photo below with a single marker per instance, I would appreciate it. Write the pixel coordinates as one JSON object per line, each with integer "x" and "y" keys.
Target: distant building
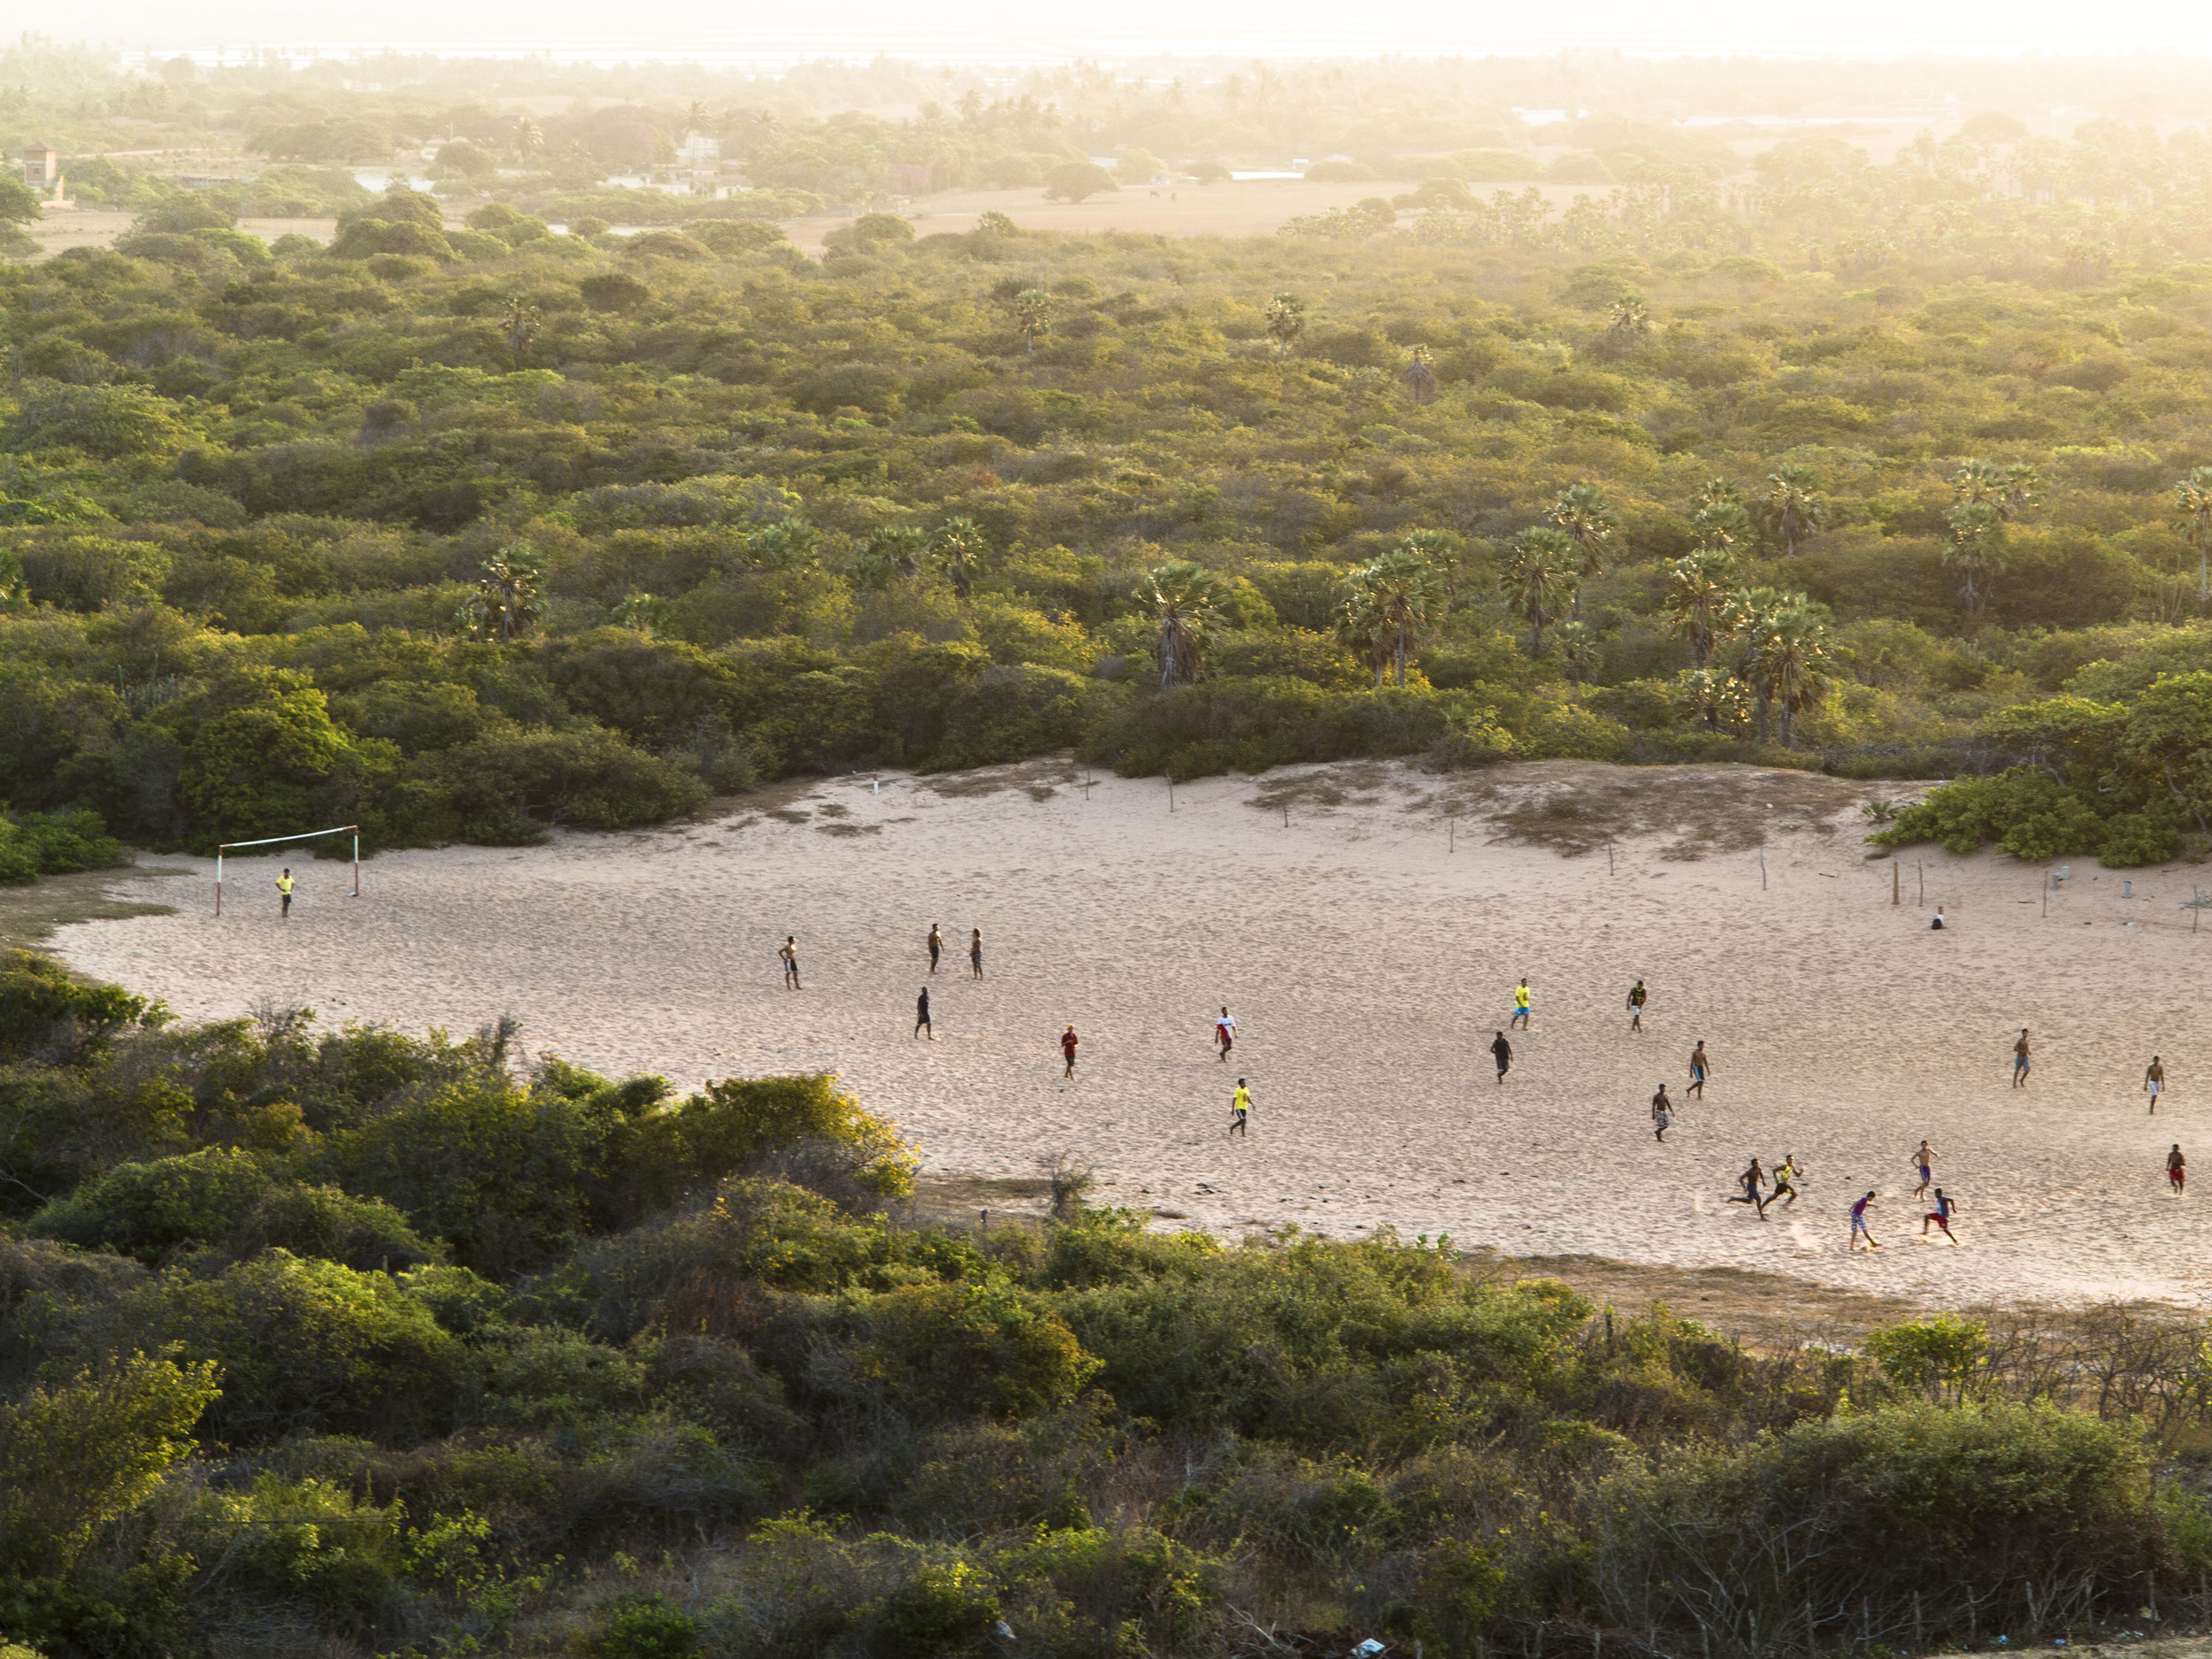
{"x": 41, "y": 171}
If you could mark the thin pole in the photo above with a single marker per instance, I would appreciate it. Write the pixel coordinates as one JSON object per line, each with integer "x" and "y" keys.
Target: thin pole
{"x": 1923, "y": 882}
{"x": 1171, "y": 794}
{"x": 2047, "y": 892}
{"x": 1451, "y": 838}
{"x": 1762, "y": 869}
{"x": 1608, "y": 854}
{"x": 357, "y": 863}
{"x": 1896, "y": 878}
{"x": 218, "y": 882}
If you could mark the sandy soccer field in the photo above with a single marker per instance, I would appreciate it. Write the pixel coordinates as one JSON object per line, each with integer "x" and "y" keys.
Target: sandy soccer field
{"x": 1366, "y": 925}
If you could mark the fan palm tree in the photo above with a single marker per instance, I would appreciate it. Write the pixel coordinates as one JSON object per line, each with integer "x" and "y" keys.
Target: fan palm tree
{"x": 1791, "y": 507}
{"x": 528, "y": 139}
{"x": 1032, "y": 315}
{"x": 961, "y": 547}
{"x": 2193, "y": 517}
{"x": 1419, "y": 378}
{"x": 1182, "y": 598}
{"x": 1978, "y": 481}
{"x": 1576, "y": 648}
{"x": 1721, "y": 525}
{"x": 1715, "y": 697}
{"x": 695, "y": 118}
{"x": 1285, "y": 317}
{"x": 1977, "y": 536}
{"x": 788, "y": 544}
{"x": 1441, "y": 553}
{"x": 1791, "y": 663}
{"x": 1716, "y": 492}
{"x": 1698, "y": 587}
{"x": 1627, "y": 323}
{"x": 1542, "y": 578}
{"x": 519, "y": 322}
{"x": 505, "y": 603}
{"x": 2023, "y": 483}
{"x": 1584, "y": 513}
{"x": 1400, "y": 596}
{"x": 894, "y": 553}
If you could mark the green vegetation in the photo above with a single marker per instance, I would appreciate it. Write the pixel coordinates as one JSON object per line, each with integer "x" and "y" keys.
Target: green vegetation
{"x": 375, "y": 1345}
{"x": 457, "y": 530}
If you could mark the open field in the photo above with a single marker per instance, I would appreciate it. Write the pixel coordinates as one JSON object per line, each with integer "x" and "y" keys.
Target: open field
{"x": 1368, "y": 950}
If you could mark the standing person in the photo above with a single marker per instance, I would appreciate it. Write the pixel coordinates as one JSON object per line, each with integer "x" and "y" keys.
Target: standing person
{"x": 1751, "y": 1179}
{"x": 1520, "y": 1006}
{"x": 975, "y": 952}
{"x": 1923, "y": 1159}
{"x": 1662, "y": 1112}
{"x": 1699, "y": 1066}
{"x": 1941, "y": 1216}
{"x": 1068, "y": 1040}
{"x": 1502, "y": 1051}
{"x": 2154, "y": 1081}
{"x": 2177, "y": 1169}
{"x": 2021, "y": 1064}
{"x": 1239, "y": 1109}
{"x": 936, "y": 946}
{"x": 1858, "y": 1223}
{"x": 284, "y": 894}
{"x": 1636, "y": 995}
{"x": 1786, "y": 1175}
{"x": 921, "y": 1015}
{"x": 789, "y": 954}
{"x": 1225, "y": 1033}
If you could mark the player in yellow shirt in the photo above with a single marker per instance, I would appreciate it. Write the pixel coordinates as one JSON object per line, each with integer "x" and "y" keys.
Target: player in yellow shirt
{"x": 1520, "y": 1006}
{"x": 1239, "y": 1109}
{"x": 284, "y": 893}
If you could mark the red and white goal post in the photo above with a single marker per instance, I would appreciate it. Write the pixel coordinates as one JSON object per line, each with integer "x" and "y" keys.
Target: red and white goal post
{"x": 353, "y": 830}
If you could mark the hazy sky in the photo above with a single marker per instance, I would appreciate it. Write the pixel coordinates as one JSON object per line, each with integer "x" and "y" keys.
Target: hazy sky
{"x": 983, "y": 29}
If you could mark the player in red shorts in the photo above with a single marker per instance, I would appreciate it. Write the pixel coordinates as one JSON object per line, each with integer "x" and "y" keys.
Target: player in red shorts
{"x": 2176, "y": 1169}
{"x": 1224, "y": 1033}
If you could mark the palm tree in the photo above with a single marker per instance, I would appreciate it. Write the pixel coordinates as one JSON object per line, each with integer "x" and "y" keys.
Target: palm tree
{"x": 1627, "y": 323}
{"x": 1792, "y": 662}
{"x": 1286, "y": 315}
{"x": 1977, "y": 535}
{"x": 1745, "y": 616}
{"x": 1721, "y": 525}
{"x": 1419, "y": 378}
{"x": 893, "y": 553}
{"x": 1441, "y": 554}
{"x": 1032, "y": 315}
{"x": 1791, "y": 507}
{"x": 1584, "y": 513}
{"x": 1698, "y": 587}
{"x": 519, "y": 322}
{"x": 695, "y": 118}
{"x": 1717, "y": 492}
{"x": 1978, "y": 481}
{"x": 1714, "y": 696}
{"x": 2193, "y": 517}
{"x": 1181, "y": 596}
{"x": 528, "y": 139}
{"x": 2022, "y": 485}
{"x": 506, "y": 599}
{"x": 961, "y": 547}
{"x": 1577, "y": 650}
{"x": 1399, "y": 595}
{"x": 788, "y": 544}
{"x": 1542, "y": 578}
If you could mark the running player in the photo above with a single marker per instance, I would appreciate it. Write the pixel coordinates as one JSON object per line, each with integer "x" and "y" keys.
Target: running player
{"x": 1502, "y": 1051}
{"x": 1239, "y": 1109}
{"x": 975, "y": 952}
{"x": 1941, "y": 1216}
{"x": 1786, "y": 1175}
{"x": 789, "y": 954}
{"x": 921, "y": 1015}
{"x": 284, "y": 894}
{"x": 1923, "y": 1159}
{"x": 1067, "y": 1039}
{"x": 1224, "y": 1033}
{"x": 2154, "y": 1081}
{"x": 1662, "y": 1112}
{"x": 2176, "y": 1169}
{"x": 1520, "y": 1006}
{"x": 1751, "y": 1179}
{"x": 2021, "y": 1064}
{"x": 1858, "y": 1223}
{"x": 1699, "y": 1066}
{"x": 936, "y": 946}
{"x": 1636, "y": 995}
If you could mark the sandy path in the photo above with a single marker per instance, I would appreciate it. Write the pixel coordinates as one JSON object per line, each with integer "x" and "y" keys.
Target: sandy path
{"x": 1367, "y": 967}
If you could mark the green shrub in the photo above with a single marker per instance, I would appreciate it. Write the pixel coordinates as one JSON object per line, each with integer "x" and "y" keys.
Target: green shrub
{"x": 2028, "y": 814}
{"x": 503, "y": 790}
{"x": 148, "y": 1210}
{"x": 939, "y": 1613}
{"x": 639, "y": 1625}
{"x": 35, "y": 844}
{"x": 1251, "y": 724}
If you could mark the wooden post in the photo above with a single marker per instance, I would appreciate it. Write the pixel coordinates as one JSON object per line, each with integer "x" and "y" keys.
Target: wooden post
{"x": 1762, "y": 869}
{"x": 1608, "y": 854}
{"x": 1923, "y": 883}
{"x": 1896, "y": 881}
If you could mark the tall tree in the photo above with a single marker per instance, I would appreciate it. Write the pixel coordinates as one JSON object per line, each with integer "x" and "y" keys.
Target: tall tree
{"x": 1183, "y": 598}
{"x": 1286, "y": 319}
{"x": 1792, "y": 662}
{"x": 505, "y": 603}
{"x": 1698, "y": 587}
{"x": 1792, "y": 507}
{"x": 1541, "y": 579}
{"x": 1400, "y": 596}
{"x": 960, "y": 547}
{"x": 1627, "y": 323}
{"x": 519, "y": 323}
{"x": 1976, "y": 550}
{"x": 1584, "y": 513}
{"x": 2193, "y": 517}
{"x": 1032, "y": 315}
{"x": 1576, "y": 648}
{"x": 1419, "y": 378}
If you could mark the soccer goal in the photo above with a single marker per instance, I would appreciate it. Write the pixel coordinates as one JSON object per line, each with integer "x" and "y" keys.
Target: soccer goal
{"x": 353, "y": 830}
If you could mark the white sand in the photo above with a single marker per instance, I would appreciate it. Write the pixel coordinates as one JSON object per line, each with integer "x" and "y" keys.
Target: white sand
{"x": 1367, "y": 967}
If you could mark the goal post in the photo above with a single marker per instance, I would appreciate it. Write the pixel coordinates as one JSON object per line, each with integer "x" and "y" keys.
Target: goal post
{"x": 353, "y": 830}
